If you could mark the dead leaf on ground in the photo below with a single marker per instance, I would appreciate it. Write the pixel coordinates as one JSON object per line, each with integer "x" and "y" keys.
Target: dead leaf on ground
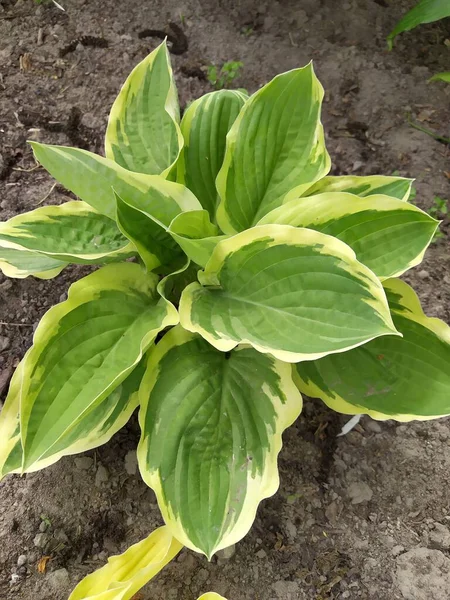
{"x": 42, "y": 564}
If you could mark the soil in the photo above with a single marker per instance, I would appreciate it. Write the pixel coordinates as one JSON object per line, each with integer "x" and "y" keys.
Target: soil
{"x": 364, "y": 516}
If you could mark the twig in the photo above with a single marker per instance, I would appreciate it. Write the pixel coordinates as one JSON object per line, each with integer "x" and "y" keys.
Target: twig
{"x": 26, "y": 170}
{"x": 48, "y": 194}
{"x": 432, "y": 134}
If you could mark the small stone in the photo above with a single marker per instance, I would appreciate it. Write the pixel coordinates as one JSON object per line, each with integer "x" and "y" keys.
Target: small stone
{"x": 14, "y": 578}
{"x": 331, "y": 512}
{"x": 41, "y": 540}
{"x": 261, "y": 554}
{"x": 131, "y": 462}
{"x": 84, "y": 462}
{"x": 226, "y": 553}
{"x": 373, "y": 426}
{"x": 79, "y": 47}
{"x": 423, "y": 274}
{"x": 440, "y": 537}
{"x": 61, "y": 536}
{"x": 396, "y": 550}
{"x": 5, "y": 343}
{"x": 43, "y": 526}
{"x": 359, "y": 492}
{"x": 423, "y": 574}
{"x": 101, "y": 476}
{"x": 22, "y": 560}
{"x": 58, "y": 580}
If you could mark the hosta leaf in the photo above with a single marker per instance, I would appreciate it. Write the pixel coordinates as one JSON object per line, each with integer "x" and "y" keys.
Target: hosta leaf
{"x": 143, "y": 133}
{"x": 83, "y": 349}
{"x": 390, "y": 377}
{"x": 211, "y": 433}
{"x": 124, "y": 575}
{"x": 425, "y": 11}
{"x": 396, "y": 187}
{"x": 92, "y": 178}
{"x": 73, "y": 232}
{"x": 296, "y": 293}
{"x": 150, "y": 238}
{"x": 388, "y": 236}
{"x": 22, "y": 263}
{"x": 275, "y": 150}
{"x": 196, "y": 235}
{"x": 211, "y": 596}
{"x": 205, "y": 125}
{"x": 93, "y": 429}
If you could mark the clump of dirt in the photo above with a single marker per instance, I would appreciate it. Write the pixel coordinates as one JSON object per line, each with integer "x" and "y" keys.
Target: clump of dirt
{"x": 363, "y": 516}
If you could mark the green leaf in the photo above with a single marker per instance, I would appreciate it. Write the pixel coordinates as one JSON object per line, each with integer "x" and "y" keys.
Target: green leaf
{"x": 83, "y": 349}
{"x": 388, "y": 235}
{"x": 211, "y": 433}
{"x": 396, "y": 187}
{"x": 390, "y": 377}
{"x": 205, "y": 125}
{"x": 93, "y": 429}
{"x": 275, "y": 150}
{"x": 73, "y": 232}
{"x": 445, "y": 76}
{"x": 154, "y": 245}
{"x": 425, "y": 11}
{"x": 20, "y": 263}
{"x": 293, "y": 292}
{"x": 196, "y": 235}
{"x": 143, "y": 133}
{"x": 126, "y": 574}
{"x": 92, "y": 178}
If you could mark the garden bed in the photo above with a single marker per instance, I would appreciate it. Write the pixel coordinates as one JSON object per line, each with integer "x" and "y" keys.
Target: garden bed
{"x": 362, "y": 516}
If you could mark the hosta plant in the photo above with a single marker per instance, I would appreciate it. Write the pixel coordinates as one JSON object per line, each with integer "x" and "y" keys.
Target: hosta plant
{"x": 236, "y": 275}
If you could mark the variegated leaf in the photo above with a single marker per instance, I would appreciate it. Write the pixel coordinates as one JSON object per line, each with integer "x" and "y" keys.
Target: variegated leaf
{"x": 82, "y": 350}
{"x": 143, "y": 134}
{"x": 126, "y": 574}
{"x": 95, "y": 427}
{"x": 390, "y": 377}
{"x": 205, "y": 126}
{"x": 19, "y": 264}
{"x": 396, "y": 187}
{"x": 72, "y": 233}
{"x": 211, "y": 433}
{"x": 388, "y": 236}
{"x": 275, "y": 150}
{"x": 196, "y": 235}
{"x": 295, "y": 293}
{"x": 92, "y": 178}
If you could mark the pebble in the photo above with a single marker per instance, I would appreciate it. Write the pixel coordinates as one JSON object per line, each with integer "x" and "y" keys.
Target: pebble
{"x": 440, "y": 537}
{"x": 423, "y": 274}
{"x": 43, "y": 526}
{"x": 5, "y": 343}
{"x": 58, "y": 580}
{"x": 84, "y": 462}
{"x": 373, "y": 426}
{"x": 396, "y": 550}
{"x": 226, "y": 553}
{"x": 131, "y": 462}
{"x": 22, "y": 560}
{"x": 261, "y": 554}
{"x": 423, "y": 574}
{"x": 41, "y": 540}
{"x": 359, "y": 492}
{"x": 101, "y": 476}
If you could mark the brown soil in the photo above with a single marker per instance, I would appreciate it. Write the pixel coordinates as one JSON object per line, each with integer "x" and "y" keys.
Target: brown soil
{"x": 362, "y": 516}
